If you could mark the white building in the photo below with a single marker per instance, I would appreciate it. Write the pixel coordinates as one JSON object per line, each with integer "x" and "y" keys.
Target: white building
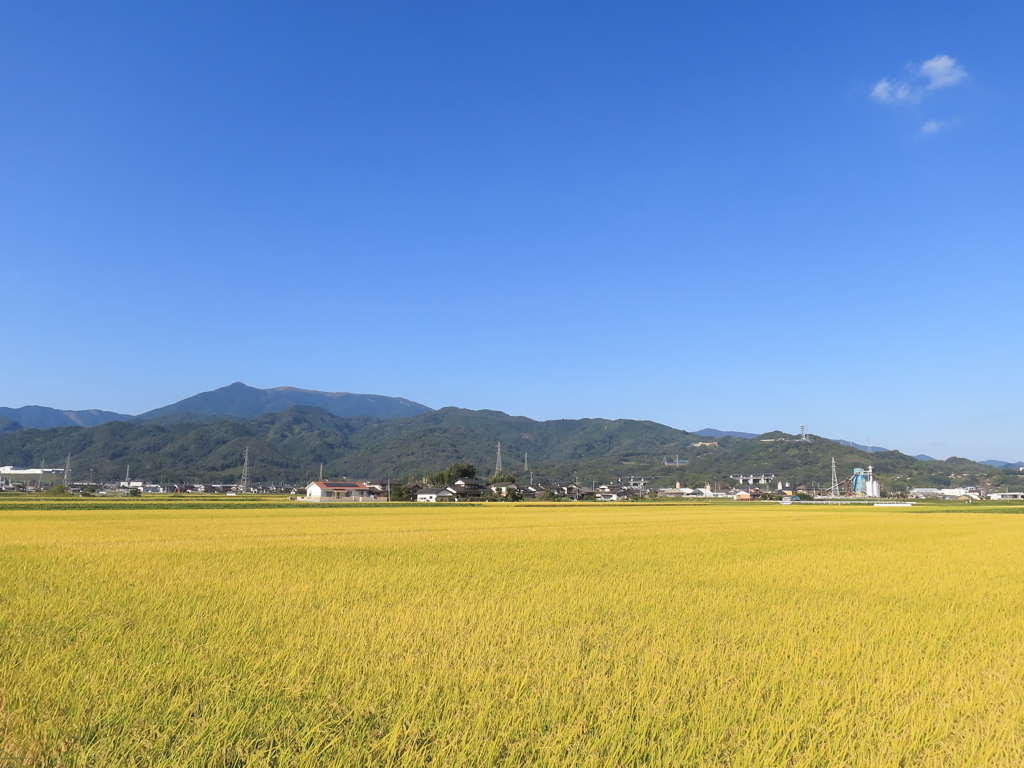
{"x": 431, "y": 495}
{"x": 29, "y": 476}
{"x": 755, "y": 478}
{"x": 321, "y": 490}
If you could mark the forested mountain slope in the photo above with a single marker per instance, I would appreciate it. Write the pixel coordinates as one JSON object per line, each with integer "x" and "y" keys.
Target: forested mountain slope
{"x": 290, "y": 446}
{"x": 7, "y": 424}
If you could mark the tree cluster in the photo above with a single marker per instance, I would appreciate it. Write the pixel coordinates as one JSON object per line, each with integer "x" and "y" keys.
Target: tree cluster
{"x": 446, "y": 477}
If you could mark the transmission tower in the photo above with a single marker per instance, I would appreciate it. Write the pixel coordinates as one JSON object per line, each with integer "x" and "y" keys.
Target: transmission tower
{"x": 834, "y": 490}
{"x": 497, "y": 464}
{"x": 244, "y": 485}
{"x": 526, "y": 462}
{"x": 67, "y": 472}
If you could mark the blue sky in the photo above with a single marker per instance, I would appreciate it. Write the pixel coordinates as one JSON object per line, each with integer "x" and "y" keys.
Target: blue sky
{"x": 747, "y": 216}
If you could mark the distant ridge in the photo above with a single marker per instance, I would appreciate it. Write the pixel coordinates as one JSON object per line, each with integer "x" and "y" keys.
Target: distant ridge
{"x": 245, "y": 402}
{"x": 1003, "y": 464}
{"x": 708, "y": 432}
{"x": 41, "y": 417}
{"x": 236, "y": 401}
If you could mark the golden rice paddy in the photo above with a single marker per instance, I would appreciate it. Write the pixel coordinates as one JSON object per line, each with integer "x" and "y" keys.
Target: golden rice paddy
{"x": 559, "y": 635}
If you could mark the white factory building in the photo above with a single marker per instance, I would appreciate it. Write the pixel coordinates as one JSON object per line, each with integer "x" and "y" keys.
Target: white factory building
{"x": 29, "y": 476}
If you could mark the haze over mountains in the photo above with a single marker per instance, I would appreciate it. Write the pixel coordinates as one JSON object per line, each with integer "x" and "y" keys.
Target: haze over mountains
{"x": 239, "y": 402}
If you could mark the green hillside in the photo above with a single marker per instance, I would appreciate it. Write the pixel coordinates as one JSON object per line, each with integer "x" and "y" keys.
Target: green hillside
{"x": 289, "y": 447}
{"x": 7, "y": 424}
{"x": 810, "y": 463}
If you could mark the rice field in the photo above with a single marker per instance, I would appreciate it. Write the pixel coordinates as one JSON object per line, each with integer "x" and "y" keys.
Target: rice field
{"x": 559, "y": 635}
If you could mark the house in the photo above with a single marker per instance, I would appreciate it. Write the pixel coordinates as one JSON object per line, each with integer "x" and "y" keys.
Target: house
{"x": 570, "y": 490}
{"x": 527, "y": 492}
{"x": 561, "y": 488}
{"x": 321, "y": 490}
{"x": 467, "y": 488}
{"x": 615, "y": 493}
{"x": 435, "y": 494}
{"x": 742, "y": 496}
{"x": 518, "y": 492}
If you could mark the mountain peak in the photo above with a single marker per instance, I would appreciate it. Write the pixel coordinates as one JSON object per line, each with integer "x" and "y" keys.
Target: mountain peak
{"x": 241, "y": 400}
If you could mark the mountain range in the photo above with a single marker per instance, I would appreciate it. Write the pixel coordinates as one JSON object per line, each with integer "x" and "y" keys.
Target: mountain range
{"x": 289, "y": 447}
{"x": 209, "y": 414}
{"x": 235, "y": 400}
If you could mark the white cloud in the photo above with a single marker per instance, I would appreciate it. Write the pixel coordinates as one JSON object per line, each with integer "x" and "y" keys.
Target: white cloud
{"x": 942, "y": 71}
{"x": 932, "y": 126}
{"x": 892, "y": 91}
